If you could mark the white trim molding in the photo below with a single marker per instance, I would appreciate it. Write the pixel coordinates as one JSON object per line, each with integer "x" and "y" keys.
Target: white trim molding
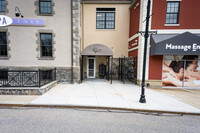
{"x": 134, "y": 44}
{"x": 178, "y": 31}
{"x": 172, "y": 25}
{"x": 132, "y": 49}
{"x": 133, "y": 37}
{"x": 173, "y": 0}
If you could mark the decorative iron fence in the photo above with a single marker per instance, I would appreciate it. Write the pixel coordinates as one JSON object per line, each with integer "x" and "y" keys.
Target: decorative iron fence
{"x": 128, "y": 69}
{"x": 115, "y": 71}
{"x": 13, "y": 78}
{"x": 123, "y": 69}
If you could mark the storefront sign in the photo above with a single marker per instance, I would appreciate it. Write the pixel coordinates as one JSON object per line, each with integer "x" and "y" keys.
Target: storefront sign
{"x": 5, "y": 21}
{"x": 28, "y": 22}
{"x": 182, "y": 44}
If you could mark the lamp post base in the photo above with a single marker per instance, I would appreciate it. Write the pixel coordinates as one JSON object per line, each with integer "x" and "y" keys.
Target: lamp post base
{"x": 142, "y": 99}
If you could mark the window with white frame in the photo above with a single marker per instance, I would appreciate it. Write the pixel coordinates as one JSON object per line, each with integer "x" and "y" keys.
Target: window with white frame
{"x": 172, "y": 15}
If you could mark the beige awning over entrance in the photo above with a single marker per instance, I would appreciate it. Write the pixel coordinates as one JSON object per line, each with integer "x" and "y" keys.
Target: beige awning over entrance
{"x": 97, "y": 50}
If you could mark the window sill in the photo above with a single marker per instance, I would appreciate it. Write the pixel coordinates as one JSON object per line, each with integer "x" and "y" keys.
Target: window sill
{"x": 174, "y": 0}
{"x": 3, "y": 13}
{"x": 46, "y": 58}
{"x": 4, "y": 58}
{"x": 172, "y": 25}
{"x": 41, "y": 14}
{"x": 105, "y": 29}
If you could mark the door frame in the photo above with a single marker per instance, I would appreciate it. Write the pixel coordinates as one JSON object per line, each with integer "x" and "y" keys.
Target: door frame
{"x": 94, "y": 67}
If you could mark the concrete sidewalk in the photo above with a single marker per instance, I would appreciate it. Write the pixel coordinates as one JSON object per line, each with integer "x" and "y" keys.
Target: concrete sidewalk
{"x": 100, "y": 93}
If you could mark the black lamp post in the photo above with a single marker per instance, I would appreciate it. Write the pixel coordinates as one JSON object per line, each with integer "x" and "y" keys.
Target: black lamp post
{"x": 17, "y": 12}
{"x": 146, "y": 35}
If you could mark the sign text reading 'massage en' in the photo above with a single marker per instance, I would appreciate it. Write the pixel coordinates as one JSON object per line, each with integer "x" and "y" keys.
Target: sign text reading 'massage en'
{"x": 193, "y": 47}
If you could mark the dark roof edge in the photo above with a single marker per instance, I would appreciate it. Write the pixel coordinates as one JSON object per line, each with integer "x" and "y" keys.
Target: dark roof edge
{"x": 198, "y": 34}
{"x": 106, "y": 2}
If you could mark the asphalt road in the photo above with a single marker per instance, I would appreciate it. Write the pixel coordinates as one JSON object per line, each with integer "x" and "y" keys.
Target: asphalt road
{"x": 51, "y": 120}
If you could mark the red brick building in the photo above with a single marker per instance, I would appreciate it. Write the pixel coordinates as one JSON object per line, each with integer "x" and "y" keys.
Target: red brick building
{"x": 177, "y": 42}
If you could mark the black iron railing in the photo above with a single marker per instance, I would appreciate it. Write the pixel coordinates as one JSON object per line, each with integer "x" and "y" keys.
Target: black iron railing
{"x": 123, "y": 68}
{"x": 13, "y": 78}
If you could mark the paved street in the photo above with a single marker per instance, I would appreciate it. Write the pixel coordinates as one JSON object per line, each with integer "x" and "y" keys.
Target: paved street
{"x": 51, "y": 120}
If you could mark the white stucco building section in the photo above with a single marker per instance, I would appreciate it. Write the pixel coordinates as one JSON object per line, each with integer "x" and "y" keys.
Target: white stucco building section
{"x": 23, "y": 39}
{"x": 142, "y": 27}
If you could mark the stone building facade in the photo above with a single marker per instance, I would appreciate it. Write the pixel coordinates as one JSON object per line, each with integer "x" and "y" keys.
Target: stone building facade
{"x": 24, "y": 39}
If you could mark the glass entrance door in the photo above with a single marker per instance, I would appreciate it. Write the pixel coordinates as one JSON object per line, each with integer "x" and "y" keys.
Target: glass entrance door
{"x": 91, "y": 67}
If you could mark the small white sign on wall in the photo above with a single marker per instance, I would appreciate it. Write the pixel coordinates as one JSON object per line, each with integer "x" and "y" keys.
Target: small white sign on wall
{"x": 5, "y": 21}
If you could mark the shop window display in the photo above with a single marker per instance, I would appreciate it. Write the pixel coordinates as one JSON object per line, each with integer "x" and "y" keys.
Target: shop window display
{"x": 181, "y": 71}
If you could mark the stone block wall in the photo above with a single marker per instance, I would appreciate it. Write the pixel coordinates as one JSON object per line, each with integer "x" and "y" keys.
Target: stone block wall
{"x": 63, "y": 74}
{"x": 27, "y": 91}
{"x": 76, "y": 39}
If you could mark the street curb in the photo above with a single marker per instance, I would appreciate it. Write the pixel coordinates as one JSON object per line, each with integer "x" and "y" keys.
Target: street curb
{"x": 97, "y": 107}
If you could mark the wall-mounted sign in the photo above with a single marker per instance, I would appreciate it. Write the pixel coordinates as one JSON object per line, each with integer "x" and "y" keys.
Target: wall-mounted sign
{"x": 5, "y": 21}
{"x": 28, "y": 22}
{"x": 95, "y": 50}
{"x": 182, "y": 44}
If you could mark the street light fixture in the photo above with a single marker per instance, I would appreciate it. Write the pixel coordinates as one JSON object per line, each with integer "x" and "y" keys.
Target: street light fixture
{"x": 146, "y": 35}
{"x": 17, "y": 12}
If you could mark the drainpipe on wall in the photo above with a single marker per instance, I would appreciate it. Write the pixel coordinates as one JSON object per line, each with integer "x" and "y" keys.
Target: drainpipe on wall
{"x": 82, "y": 39}
{"x": 72, "y": 53}
{"x": 83, "y": 24}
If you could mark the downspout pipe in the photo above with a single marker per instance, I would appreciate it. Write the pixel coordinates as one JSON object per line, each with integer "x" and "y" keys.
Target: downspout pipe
{"x": 82, "y": 39}
{"x": 83, "y": 6}
{"x": 72, "y": 53}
